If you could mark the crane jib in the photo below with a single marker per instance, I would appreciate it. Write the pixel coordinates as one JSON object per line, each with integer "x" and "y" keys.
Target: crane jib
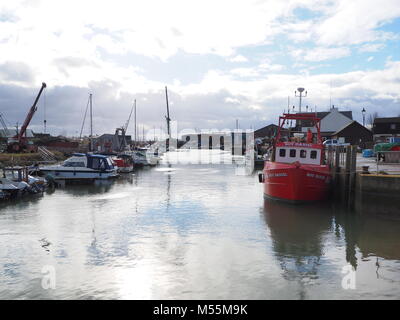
{"x": 31, "y": 112}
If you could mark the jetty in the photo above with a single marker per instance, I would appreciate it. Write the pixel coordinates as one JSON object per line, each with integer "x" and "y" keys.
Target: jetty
{"x": 365, "y": 185}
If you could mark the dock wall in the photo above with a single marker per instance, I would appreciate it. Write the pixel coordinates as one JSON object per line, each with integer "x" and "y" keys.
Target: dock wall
{"x": 378, "y": 194}
{"x": 363, "y": 193}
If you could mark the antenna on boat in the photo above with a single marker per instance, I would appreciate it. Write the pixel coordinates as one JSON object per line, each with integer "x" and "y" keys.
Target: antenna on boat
{"x": 300, "y": 96}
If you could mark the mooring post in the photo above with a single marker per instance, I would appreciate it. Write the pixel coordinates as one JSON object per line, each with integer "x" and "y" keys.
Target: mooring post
{"x": 352, "y": 175}
{"x": 347, "y": 163}
{"x": 336, "y": 170}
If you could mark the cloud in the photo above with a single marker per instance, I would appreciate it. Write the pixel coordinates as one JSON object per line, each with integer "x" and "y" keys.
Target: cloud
{"x": 356, "y": 21}
{"x": 124, "y": 50}
{"x": 16, "y": 72}
{"x": 239, "y": 58}
{"x": 271, "y": 67}
{"x": 371, "y": 47}
{"x": 320, "y": 53}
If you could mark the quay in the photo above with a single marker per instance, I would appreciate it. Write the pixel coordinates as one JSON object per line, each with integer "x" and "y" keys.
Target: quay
{"x": 365, "y": 185}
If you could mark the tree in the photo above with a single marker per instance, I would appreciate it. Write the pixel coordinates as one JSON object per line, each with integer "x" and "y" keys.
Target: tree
{"x": 372, "y": 117}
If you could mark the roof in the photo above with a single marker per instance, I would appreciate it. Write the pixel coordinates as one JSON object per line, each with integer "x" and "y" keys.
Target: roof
{"x": 347, "y": 125}
{"x": 387, "y": 120}
{"x": 321, "y": 115}
{"x": 272, "y": 125}
{"x": 112, "y": 136}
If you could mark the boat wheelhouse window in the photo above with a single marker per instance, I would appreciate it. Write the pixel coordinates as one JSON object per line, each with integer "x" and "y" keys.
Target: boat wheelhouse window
{"x": 282, "y": 153}
{"x": 313, "y": 154}
{"x": 95, "y": 163}
{"x": 303, "y": 153}
{"x": 74, "y": 164}
{"x": 292, "y": 153}
{"x": 110, "y": 164}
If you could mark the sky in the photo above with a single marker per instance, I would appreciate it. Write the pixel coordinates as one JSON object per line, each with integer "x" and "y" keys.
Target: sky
{"x": 222, "y": 60}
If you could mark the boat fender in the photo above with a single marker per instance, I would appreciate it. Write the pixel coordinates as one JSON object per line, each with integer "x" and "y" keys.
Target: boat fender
{"x": 261, "y": 178}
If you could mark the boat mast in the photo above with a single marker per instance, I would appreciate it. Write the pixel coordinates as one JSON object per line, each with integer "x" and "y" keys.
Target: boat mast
{"x": 168, "y": 121}
{"x": 135, "y": 124}
{"x": 167, "y": 117}
{"x": 91, "y": 122}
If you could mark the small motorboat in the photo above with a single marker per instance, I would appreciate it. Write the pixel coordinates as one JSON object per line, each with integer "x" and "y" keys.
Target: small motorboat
{"x": 145, "y": 157}
{"x": 82, "y": 166}
{"x": 124, "y": 163}
{"x": 16, "y": 181}
{"x": 297, "y": 171}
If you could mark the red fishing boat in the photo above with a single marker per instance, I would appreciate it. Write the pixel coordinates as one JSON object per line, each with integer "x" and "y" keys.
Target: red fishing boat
{"x": 296, "y": 171}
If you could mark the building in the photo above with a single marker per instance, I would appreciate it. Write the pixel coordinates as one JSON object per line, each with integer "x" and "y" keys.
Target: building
{"x": 354, "y": 133}
{"x": 383, "y": 128}
{"x": 217, "y": 140}
{"x": 110, "y": 142}
{"x": 331, "y": 121}
{"x": 268, "y": 131}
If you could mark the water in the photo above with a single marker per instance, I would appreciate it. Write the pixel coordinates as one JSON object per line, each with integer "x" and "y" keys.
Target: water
{"x": 191, "y": 232}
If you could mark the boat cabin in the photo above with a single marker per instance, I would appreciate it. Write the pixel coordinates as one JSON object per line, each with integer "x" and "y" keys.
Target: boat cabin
{"x": 305, "y": 153}
{"x": 92, "y": 161}
{"x": 16, "y": 173}
{"x": 302, "y": 147}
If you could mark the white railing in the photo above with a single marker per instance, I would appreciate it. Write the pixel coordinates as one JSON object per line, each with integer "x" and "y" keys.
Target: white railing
{"x": 47, "y": 155}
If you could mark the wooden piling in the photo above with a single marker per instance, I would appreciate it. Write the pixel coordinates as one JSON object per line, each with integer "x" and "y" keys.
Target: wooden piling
{"x": 352, "y": 176}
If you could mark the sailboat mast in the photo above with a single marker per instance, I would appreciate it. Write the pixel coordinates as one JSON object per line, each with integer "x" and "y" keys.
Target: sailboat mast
{"x": 135, "y": 124}
{"x": 167, "y": 117}
{"x": 91, "y": 124}
{"x": 91, "y": 115}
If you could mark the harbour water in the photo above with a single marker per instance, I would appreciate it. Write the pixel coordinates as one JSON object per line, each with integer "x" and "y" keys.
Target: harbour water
{"x": 192, "y": 231}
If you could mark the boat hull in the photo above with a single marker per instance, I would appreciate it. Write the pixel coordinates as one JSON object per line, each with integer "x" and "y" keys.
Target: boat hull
{"x": 296, "y": 182}
{"x": 60, "y": 174}
{"x": 125, "y": 169}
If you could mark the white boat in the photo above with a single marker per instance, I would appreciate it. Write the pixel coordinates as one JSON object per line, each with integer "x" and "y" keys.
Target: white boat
{"x": 9, "y": 188}
{"x": 82, "y": 167}
{"x": 144, "y": 157}
{"x": 16, "y": 181}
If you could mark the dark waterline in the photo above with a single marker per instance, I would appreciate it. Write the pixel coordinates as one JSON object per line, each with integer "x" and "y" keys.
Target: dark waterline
{"x": 191, "y": 232}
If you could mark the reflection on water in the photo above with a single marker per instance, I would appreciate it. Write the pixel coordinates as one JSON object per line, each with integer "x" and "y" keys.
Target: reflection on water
{"x": 181, "y": 231}
{"x": 297, "y": 233}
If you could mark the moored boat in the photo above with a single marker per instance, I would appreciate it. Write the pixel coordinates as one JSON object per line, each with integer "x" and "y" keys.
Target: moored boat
{"x": 15, "y": 181}
{"x": 297, "y": 171}
{"x": 82, "y": 167}
{"x": 124, "y": 163}
{"x": 144, "y": 157}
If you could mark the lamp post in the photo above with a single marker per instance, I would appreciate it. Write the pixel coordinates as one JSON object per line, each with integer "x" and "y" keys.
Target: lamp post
{"x": 363, "y": 114}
